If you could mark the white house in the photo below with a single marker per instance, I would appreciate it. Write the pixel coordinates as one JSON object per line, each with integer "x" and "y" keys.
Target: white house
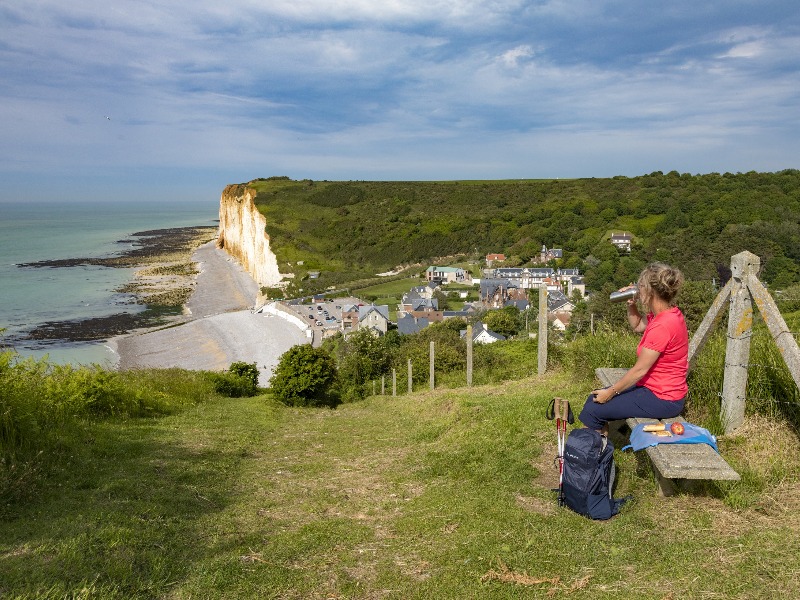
{"x": 622, "y": 241}
{"x": 447, "y": 275}
{"x": 482, "y": 334}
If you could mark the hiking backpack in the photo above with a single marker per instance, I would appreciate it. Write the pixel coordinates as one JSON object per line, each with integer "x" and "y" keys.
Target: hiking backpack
{"x": 589, "y": 473}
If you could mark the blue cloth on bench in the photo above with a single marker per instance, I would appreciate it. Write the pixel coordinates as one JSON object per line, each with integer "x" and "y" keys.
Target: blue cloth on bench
{"x": 693, "y": 434}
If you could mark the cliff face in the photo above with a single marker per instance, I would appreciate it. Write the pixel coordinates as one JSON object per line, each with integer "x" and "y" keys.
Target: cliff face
{"x": 242, "y": 234}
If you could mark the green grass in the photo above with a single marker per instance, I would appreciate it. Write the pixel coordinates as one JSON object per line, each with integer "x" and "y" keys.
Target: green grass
{"x": 442, "y": 494}
{"x": 391, "y": 288}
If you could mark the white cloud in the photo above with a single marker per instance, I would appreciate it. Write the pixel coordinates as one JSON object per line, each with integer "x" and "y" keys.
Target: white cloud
{"x": 512, "y": 58}
{"x": 489, "y": 87}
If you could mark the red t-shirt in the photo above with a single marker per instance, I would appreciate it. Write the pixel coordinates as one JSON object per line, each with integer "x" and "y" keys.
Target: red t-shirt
{"x": 666, "y": 334}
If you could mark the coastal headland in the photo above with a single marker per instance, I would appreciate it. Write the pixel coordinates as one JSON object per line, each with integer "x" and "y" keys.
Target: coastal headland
{"x": 191, "y": 303}
{"x": 220, "y": 325}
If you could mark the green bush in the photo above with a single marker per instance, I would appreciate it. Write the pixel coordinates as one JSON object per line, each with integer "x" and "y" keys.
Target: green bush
{"x": 247, "y": 370}
{"x": 305, "y": 376}
{"x": 230, "y": 384}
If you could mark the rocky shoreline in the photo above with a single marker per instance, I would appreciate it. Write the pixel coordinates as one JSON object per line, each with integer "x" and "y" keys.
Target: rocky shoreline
{"x": 162, "y": 285}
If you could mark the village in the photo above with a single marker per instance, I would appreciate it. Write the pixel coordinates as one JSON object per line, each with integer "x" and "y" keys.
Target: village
{"x": 498, "y": 287}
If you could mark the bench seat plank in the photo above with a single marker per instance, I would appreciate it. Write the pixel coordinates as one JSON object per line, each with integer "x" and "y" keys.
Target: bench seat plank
{"x": 676, "y": 461}
{"x": 686, "y": 461}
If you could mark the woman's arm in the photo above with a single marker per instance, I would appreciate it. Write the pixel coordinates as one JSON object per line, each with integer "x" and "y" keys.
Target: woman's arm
{"x": 635, "y": 320}
{"x": 647, "y": 358}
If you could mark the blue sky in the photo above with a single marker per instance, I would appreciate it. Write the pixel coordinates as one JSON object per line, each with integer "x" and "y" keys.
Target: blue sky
{"x": 174, "y": 100}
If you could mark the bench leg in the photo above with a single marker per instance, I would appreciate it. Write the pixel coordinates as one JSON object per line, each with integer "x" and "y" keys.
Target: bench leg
{"x": 666, "y": 487}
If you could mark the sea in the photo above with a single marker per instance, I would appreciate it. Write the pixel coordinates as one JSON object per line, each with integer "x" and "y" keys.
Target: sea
{"x": 32, "y": 232}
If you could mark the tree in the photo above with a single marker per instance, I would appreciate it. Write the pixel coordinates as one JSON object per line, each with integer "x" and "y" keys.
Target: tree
{"x": 305, "y": 377}
{"x": 504, "y": 321}
{"x": 363, "y": 357}
{"x": 694, "y": 300}
{"x": 450, "y": 350}
{"x": 443, "y": 300}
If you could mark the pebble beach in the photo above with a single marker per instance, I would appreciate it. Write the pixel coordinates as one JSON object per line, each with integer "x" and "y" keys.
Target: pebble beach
{"x": 220, "y": 326}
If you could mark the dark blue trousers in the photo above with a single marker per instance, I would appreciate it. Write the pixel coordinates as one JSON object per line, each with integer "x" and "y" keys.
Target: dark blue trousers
{"x": 637, "y": 401}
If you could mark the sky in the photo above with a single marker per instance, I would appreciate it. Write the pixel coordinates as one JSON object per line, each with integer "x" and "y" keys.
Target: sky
{"x": 174, "y": 99}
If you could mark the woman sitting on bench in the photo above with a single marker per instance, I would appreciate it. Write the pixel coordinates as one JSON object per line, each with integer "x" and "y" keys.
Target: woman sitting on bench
{"x": 655, "y": 387}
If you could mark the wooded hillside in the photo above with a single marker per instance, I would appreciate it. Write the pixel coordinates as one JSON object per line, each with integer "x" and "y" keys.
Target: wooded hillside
{"x": 354, "y": 229}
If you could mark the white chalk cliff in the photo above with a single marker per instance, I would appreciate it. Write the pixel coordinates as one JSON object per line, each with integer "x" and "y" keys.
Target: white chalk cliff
{"x": 242, "y": 234}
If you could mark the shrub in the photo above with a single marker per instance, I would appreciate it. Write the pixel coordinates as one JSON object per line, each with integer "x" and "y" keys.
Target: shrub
{"x": 44, "y": 407}
{"x": 230, "y": 384}
{"x": 248, "y": 371}
{"x": 361, "y": 358}
{"x": 305, "y": 377}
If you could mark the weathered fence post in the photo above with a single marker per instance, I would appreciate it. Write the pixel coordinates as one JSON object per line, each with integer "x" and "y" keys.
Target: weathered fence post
{"x": 777, "y": 327}
{"x": 740, "y": 330}
{"x": 374, "y": 383}
{"x": 383, "y": 385}
{"x": 394, "y": 382}
{"x": 469, "y": 355}
{"x": 542, "y": 367}
{"x": 431, "y": 368}
{"x": 410, "y": 378}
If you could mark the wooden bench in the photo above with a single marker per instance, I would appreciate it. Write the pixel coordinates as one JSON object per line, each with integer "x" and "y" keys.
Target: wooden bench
{"x": 675, "y": 462}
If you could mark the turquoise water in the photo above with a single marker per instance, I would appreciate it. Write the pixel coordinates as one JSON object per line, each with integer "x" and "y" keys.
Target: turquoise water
{"x": 46, "y": 231}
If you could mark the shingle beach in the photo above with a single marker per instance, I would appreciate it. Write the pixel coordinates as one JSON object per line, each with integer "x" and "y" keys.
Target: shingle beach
{"x": 222, "y": 326}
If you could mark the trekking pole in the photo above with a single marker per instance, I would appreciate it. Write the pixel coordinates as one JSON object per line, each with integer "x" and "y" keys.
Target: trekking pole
{"x": 560, "y": 410}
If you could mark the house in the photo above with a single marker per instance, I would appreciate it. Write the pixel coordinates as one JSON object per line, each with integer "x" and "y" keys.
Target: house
{"x": 433, "y": 316}
{"x": 496, "y": 293}
{"x": 557, "y": 302}
{"x": 576, "y": 284}
{"x": 418, "y": 300}
{"x": 493, "y": 258}
{"x": 447, "y": 275}
{"x": 534, "y": 278}
{"x": 374, "y": 317}
{"x": 559, "y": 322}
{"x": 408, "y": 325}
{"x": 551, "y": 254}
{"x": 350, "y": 314}
{"x": 482, "y": 334}
{"x": 423, "y": 291}
{"x": 622, "y": 241}
{"x": 458, "y": 314}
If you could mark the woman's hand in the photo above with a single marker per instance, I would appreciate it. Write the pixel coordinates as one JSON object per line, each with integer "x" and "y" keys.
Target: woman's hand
{"x": 603, "y": 395}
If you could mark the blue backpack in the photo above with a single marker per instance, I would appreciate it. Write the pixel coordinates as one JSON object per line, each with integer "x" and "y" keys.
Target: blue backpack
{"x": 589, "y": 473}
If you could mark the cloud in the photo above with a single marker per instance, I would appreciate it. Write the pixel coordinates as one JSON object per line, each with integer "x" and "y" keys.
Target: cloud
{"x": 441, "y": 88}
{"x": 512, "y": 58}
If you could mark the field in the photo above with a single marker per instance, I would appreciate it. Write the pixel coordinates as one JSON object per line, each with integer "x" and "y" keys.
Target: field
{"x": 443, "y": 494}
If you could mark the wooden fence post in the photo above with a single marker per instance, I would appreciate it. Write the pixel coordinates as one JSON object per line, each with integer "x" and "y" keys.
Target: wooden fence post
{"x": 777, "y": 327}
{"x": 394, "y": 382}
{"x": 383, "y": 385}
{"x": 431, "y": 369}
{"x": 709, "y": 322}
{"x": 542, "y": 366}
{"x": 469, "y": 355}
{"x": 740, "y": 330}
{"x": 410, "y": 378}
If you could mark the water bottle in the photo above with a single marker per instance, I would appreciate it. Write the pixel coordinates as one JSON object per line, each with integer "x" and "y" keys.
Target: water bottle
{"x": 624, "y": 295}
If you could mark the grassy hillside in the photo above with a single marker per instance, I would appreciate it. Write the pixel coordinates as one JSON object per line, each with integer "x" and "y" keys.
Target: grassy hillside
{"x": 441, "y": 494}
{"x": 355, "y": 229}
